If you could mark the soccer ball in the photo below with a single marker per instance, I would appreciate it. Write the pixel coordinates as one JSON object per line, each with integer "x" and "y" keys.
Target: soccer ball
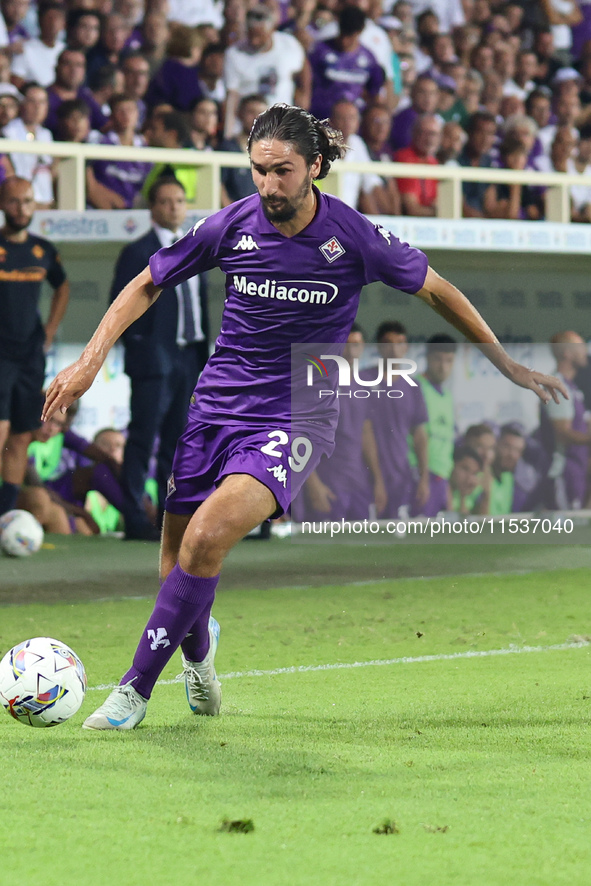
{"x": 42, "y": 682}
{"x": 20, "y": 533}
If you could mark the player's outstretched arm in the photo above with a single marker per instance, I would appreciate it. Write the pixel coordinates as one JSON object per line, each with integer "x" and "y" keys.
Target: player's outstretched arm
{"x": 448, "y": 301}
{"x": 72, "y": 382}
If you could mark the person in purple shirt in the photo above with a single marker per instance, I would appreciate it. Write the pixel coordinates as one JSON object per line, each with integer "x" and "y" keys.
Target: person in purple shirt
{"x": 176, "y": 82}
{"x": 394, "y": 421}
{"x": 343, "y": 69}
{"x": 344, "y": 485}
{"x": 114, "y": 184}
{"x": 564, "y": 431}
{"x": 295, "y": 261}
{"x": 424, "y": 100}
{"x": 70, "y": 73}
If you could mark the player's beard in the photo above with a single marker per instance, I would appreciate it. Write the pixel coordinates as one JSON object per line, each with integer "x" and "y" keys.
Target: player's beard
{"x": 285, "y": 208}
{"x": 17, "y": 224}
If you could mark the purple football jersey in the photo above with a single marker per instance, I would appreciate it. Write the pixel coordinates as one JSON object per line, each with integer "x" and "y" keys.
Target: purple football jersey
{"x": 338, "y": 75}
{"x": 280, "y": 290}
{"x": 393, "y": 420}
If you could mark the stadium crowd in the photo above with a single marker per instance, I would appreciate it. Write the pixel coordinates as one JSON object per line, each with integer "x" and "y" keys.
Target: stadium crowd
{"x": 481, "y": 83}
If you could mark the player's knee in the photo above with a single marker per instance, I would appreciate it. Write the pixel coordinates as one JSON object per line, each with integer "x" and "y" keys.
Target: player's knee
{"x": 203, "y": 548}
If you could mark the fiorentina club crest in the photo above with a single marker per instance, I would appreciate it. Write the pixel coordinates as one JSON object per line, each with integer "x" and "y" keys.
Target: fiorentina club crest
{"x": 331, "y": 249}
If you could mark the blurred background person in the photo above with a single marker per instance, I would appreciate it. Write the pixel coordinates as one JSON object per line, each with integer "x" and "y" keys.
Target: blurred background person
{"x": 165, "y": 351}
{"x": 38, "y": 169}
{"x": 28, "y": 260}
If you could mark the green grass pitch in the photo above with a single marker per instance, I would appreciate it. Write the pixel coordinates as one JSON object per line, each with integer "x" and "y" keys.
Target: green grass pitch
{"x": 477, "y": 767}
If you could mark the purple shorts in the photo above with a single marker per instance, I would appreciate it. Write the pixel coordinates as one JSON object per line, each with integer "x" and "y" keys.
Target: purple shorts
{"x": 205, "y": 454}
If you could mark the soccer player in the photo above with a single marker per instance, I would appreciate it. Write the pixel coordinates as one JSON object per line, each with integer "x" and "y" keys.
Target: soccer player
{"x": 25, "y": 262}
{"x": 295, "y": 261}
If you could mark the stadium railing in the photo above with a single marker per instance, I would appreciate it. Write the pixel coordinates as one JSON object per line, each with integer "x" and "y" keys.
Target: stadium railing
{"x": 71, "y": 186}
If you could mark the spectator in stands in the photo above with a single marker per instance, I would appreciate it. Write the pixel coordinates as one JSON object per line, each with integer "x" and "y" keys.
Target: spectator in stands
{"x": 204, "y": 123}
{"x": 169, "y": 129}
{"x": 440, "y": 425}
{"x": 548, "y": 63}
{"x": 525, "y": 71}
{"x": 14, "y": 13}
{"x": 195, "y": 12}
{"x": 136, "y": 77}
{"x": 269, "y": 63}
{"x": 396, "y": 422}
{"x": 38, "y": 169}
{"x": 155, "y": 36}
{"x": 10, "y": 99}
{"x": 562, "y": 16}
{"x": 110, "y": 50}
{"x": 211, "y": 73}
{"x": 482, "y": 60}
{"x": 83, "y": 29}
{"x": 419, "y": 195}
{"x": 449, "y": 106}
{"x": 39, "y": 57}
{"x": 165, "y": 350}
{"x": 580, "y": 195}
{"x": 424, "y": 100}
{"x": 481, "y": 131}
{"x": 360, "y": 191}
{"x": 70, "y": 74}
{"x": 237, "y": 182}
{"x": 103, "y": 85}
{"x": 464, "y": 480}
{"x": 114, "y": 184}
{"x": 492, "y": 94}
{"x": 375, "y": 130}
{"x": 408, "y": 75}
{"x": 73, "y": 122}
{"x": 453, "y": 138}
{"x": 374, "y": 38}
{"x": 471, "y": 94}
{"x": 176, "y": 81}
{"x": 538, "y": 106}
{"x": 564, "y": 428}
{"x": 510, "y": 200}
{"x": 567, "y": 107}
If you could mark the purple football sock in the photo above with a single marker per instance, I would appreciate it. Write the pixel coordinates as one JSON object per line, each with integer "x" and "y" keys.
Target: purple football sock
{"x": 105, "y": 482}
{"x": 195, "y": 646}
{"x": 179, "y": 605}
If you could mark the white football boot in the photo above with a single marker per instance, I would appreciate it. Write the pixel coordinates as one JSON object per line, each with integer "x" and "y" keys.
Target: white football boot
{"x": 204, "y": 690}
{"x": 123, "y": 709}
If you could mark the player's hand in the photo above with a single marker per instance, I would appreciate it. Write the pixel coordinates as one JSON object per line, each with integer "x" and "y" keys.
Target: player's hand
{"x": 547, "y": 387}
{"x": 68, "y": 385}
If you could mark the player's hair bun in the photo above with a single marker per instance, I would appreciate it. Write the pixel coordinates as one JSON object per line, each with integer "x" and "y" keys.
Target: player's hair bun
{"x": 308, "y": 135}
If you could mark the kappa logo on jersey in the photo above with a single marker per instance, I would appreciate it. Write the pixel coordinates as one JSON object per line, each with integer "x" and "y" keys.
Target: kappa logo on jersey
{"x": 196, "y": 226}
{"x": 159, "y": 637}
{"x": 279, "y": 473}
{"x": 246, "y": 244}
{"x": 385, "y": 234}
{"x": 170, "y": 486}
{"x": 332, "y": 249}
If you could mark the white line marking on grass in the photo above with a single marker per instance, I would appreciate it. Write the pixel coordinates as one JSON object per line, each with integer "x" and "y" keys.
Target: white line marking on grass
{"x": 376, "y": 663}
